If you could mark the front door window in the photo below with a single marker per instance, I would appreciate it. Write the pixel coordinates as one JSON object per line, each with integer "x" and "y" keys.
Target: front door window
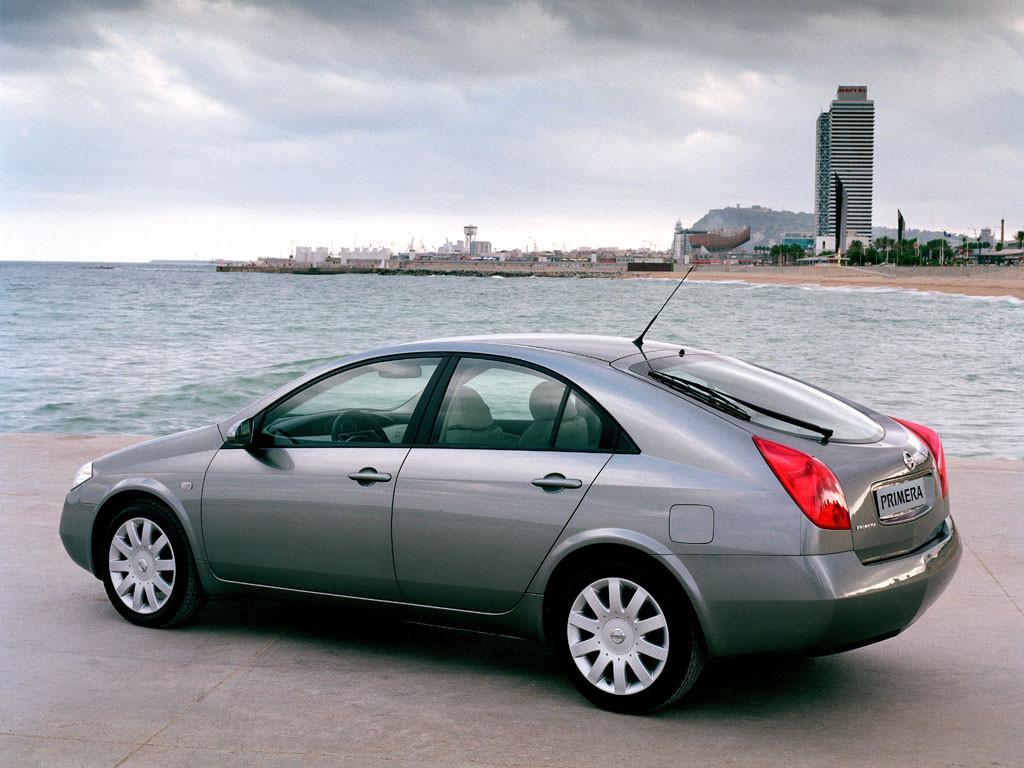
{"x": 370, "y": 404}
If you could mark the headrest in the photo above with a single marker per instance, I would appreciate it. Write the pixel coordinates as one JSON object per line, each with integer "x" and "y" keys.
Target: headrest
{"x": 545, "y": 399}
{"x": 468, "y": 410}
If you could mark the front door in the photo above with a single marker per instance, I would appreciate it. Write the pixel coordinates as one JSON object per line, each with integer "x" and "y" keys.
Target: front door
{"x": 310, "y": 506}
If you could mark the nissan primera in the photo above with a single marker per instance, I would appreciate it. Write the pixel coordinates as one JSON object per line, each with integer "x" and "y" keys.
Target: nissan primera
{"x": 640, "y": 506}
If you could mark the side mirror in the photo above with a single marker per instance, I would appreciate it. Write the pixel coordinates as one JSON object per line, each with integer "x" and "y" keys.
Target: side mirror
{"x": 240, "y": 434}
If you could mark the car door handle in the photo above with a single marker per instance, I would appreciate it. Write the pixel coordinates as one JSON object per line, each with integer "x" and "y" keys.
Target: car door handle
{"x": 555, "y": 482}
{"x": 369, "y": 476}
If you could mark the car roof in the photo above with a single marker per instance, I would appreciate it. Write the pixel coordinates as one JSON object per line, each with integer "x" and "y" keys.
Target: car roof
{"x": 606, "y": 348}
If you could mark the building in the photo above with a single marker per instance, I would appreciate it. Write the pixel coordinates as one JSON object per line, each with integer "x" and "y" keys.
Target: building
{"x": 824, "y": 243}
{"x": 821, "y": 172}
{"x": 720, "y": 240}
{"x": 682, "y": 245}
{"x": 845, "y": 147}
{"x": 804, "y": 239}
{"x": 680, "y": 252}
{"x": 307, "y": 255}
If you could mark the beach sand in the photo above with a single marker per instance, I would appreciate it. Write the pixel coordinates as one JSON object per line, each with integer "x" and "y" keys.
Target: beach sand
{"x": 996, "y": 281}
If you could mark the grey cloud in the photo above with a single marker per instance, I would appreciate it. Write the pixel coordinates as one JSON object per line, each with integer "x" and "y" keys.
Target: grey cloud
{"x": 557, "y": 106}
{"x": 57, "y": 23}
{"x": 14, "y": 12}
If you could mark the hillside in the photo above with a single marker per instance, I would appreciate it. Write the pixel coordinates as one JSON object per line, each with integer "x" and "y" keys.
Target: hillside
{"x": 922, "y": 235}
{"x": 766, "y": 226}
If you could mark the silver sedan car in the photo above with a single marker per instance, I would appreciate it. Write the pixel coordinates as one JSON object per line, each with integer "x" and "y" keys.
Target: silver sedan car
{"x": 641, "y": 507}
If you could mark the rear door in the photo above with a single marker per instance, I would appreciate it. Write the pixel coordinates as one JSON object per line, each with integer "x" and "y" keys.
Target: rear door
{"x": 511, "y": 454}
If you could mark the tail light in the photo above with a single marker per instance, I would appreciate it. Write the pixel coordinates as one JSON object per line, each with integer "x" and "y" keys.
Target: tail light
{"x": 811, "y": 484}
{"x": 930, "y": 438}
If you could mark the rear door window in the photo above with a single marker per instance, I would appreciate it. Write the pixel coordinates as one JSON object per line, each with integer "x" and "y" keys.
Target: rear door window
{"x": 495, "y": 404}
{"x": 499, "y": 404}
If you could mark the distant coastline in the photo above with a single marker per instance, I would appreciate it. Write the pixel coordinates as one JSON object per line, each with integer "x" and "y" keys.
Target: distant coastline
{"x": 193, "y": 262}
{"x": 967, "y": 280}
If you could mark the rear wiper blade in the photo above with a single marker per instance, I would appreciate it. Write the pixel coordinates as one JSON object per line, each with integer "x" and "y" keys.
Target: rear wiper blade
{"x": 674, "y": 381}
{"x": 699, "y": 392}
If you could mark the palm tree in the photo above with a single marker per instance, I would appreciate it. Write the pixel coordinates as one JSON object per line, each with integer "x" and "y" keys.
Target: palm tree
{"x": 1020, "y": 238}
{"x": 856, "y": 251}
{"x": 885, "y": 243}
{"x": 938, "y": 245}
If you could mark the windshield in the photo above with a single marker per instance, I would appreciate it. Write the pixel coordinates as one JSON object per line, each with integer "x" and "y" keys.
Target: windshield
{"x": 772, "y": 391}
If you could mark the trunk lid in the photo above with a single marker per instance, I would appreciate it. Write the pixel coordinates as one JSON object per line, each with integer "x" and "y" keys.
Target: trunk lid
{"x": 892, "y": 489}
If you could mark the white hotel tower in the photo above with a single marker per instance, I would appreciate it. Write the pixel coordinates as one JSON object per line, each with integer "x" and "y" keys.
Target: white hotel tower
{"x": 845, "y": 147}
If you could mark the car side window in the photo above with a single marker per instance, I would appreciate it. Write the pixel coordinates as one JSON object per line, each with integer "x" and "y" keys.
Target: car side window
{"x": 497, "y": 404}
{"x": 494, "y": 404}
{"x": 583, "y": 427}
{"x": 368, "y": 404}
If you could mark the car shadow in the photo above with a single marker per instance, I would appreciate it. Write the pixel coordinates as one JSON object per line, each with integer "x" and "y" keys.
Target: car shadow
{"x": 758, "y": 687}
{"x": 770, "y": 685}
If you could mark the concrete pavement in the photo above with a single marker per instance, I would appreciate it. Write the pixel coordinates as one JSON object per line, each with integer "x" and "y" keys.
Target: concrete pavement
{"x": 262, "y": 684}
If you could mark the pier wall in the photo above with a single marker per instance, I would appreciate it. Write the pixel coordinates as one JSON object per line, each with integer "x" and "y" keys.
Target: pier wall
{"x": 419, "y": 267}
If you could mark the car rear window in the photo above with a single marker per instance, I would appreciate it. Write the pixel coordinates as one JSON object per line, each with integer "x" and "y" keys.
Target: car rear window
{"x": 770, "y": 390}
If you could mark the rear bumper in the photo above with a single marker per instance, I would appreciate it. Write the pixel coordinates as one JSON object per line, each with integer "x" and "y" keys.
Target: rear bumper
{"x": 818, "y": 604}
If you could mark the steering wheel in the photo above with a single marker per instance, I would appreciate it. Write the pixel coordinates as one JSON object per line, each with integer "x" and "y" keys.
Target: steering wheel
{"x": 357, "y": 427}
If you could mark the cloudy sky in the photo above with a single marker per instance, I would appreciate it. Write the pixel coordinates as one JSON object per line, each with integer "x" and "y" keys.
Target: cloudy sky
{"x": 195, "y": 128}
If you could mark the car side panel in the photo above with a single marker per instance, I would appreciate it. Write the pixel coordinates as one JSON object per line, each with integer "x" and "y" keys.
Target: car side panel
{"x": 638, "y": 491}
{"x": 292, "y": 518}
{"x": 470, "y": 529}
{"x": 170, "y": 469}
{"x": 630, "y": 505}
{"x": 752, "y": 588}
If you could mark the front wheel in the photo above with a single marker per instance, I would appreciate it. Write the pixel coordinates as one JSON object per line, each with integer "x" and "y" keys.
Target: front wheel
{"x": 149, "y": 572}
{"x": 628, "y": 642}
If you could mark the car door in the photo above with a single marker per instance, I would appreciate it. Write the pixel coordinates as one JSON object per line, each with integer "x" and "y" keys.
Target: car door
{"x": 509, "y": 458}
{"x": 309, "y": 505}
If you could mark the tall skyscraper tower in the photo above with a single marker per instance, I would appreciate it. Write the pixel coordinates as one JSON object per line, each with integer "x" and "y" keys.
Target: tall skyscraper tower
{"x": 822, "y": 173}
{"x": 845, "y": 147}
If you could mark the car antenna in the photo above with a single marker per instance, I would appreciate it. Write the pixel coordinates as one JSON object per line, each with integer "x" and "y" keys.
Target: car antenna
{"x": 639, "y": 340}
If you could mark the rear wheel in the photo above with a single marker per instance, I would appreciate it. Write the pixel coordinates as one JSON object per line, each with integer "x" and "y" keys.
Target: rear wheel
{"x": 149, "y": 571}
{"x": 627, "y": 640}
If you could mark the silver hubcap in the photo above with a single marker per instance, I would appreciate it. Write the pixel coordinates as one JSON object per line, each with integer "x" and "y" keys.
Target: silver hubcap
{"x": 141, "y": 565}
{"x": 618, "y": 636}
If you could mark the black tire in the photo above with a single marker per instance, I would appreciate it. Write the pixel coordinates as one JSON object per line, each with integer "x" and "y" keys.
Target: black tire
{"x": 166, "y": 596}
{"x": 679, "y": 640}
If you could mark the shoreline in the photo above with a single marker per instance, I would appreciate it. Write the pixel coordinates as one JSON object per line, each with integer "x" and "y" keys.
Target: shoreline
{"x": 1010, "y": 282}
{"x": 993, "y": 282}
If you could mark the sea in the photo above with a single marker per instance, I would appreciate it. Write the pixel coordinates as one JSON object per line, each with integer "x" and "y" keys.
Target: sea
{"x": 151, "y": 349}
